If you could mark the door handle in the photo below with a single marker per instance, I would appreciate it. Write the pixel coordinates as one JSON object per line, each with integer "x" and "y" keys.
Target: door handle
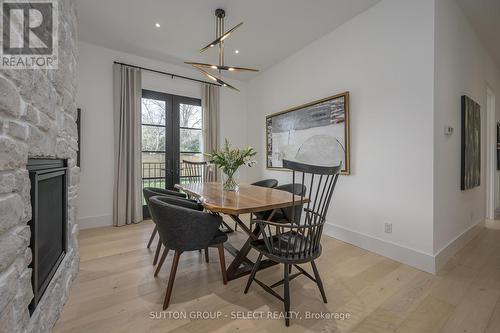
{"x": 168, "y": 171}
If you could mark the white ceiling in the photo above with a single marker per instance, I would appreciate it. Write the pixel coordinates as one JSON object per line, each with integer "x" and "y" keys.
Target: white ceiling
{"x": 484, "y": 15}
{"x": 272, "y": 29}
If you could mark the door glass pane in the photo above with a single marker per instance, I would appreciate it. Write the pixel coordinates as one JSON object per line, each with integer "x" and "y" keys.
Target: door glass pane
{"x": 153, "y": 138}
{"x": 190, "y": 116}
{"x": 190, "y": 141}
{"x": 153, "y": 111}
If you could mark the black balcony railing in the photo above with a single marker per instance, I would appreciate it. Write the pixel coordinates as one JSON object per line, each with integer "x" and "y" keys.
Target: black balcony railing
{"x": 153, "y": 174}
{"x": 153, "y": 170}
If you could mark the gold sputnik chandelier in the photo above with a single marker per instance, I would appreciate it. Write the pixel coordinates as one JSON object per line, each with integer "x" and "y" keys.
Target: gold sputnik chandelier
{"x": 220, "y": 37}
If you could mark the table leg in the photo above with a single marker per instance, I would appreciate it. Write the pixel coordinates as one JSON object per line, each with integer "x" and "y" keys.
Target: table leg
{"x": 227, "y": 229}
{"x": 241, "y": 265}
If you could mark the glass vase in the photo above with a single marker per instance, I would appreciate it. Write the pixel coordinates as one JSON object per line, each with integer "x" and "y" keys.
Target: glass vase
{"x": 230, "y": 181}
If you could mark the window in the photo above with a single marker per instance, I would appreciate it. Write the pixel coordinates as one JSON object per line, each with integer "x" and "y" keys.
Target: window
{"x": 191, "y": 135}
{"x": 153, "y": 142}
{"x": 172, "y": 131}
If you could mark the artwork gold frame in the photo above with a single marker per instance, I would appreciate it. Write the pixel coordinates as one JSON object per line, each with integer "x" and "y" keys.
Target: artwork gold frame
{"x": 346, "y": 167}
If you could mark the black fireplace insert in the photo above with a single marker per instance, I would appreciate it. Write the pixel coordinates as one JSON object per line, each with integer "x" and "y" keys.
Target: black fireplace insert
{"x": 49, "y": 203}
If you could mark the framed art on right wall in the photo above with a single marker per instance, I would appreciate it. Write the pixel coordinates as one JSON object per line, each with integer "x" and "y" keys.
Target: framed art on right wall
{"x": 498, "y": 146}
{"x": 471, "y": 144}
{"x": 314, "y": 133}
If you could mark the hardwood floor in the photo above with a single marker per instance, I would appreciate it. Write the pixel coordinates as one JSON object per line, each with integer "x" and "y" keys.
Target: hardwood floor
{"x": 116, "y": 292}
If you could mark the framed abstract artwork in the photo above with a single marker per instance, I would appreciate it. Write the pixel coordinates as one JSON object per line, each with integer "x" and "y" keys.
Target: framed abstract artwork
{"x": 471, "y": 144}
{"x": 315, "y": 133}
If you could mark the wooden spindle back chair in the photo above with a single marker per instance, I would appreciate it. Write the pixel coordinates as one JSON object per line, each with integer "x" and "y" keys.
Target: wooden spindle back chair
{"x": 298, "y": 240}
{"x": 199, "y": 172}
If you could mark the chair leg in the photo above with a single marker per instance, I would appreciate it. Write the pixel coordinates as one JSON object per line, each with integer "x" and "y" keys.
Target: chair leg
{"x": 235, "y": 226}
{"x": 318, "y": 281}
{"x": 157, "y": 253}
{"x": 286, "y": 289}
{"x": 155, "y": 230}
{"x": 252, "y": 274}
{"x": 171, "y": 279}
{"x": 222, "y": 261}
{"x": 162, "y": 259}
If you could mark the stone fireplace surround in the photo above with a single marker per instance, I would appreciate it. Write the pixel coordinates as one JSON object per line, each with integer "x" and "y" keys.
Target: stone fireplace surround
{"x": 37, "y": 119}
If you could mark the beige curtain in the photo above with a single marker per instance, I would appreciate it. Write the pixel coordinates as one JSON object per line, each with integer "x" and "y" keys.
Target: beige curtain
{"x": 210, "y": 102}
{"x": 127, "y": 195}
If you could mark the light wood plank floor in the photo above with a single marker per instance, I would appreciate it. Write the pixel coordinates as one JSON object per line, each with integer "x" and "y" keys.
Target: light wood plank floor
{"x": 116, "y": 292}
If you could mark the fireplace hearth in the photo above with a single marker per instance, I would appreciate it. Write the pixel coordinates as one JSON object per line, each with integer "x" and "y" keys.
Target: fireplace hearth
{"x": 49, "y": 236}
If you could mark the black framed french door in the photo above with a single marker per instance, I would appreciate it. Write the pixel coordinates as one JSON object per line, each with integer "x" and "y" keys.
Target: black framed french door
{"x": 171, "y": 132}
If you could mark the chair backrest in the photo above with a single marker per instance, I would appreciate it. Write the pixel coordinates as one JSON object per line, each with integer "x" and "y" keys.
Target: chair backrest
{"x": 294, "y": 213}
{"x": 301, "y": 237}
{"x": 199, "y": 172}
{"x": 148, "y": 192}
{"x": 271, "y": 183}
{"x": 182, "y": 227}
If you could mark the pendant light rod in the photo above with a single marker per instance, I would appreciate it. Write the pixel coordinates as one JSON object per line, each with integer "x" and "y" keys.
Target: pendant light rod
{"x": 220, "y": 14}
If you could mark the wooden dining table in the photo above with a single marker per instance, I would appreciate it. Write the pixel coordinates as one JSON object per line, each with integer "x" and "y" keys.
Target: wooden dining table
{"x": 247, "y": 200}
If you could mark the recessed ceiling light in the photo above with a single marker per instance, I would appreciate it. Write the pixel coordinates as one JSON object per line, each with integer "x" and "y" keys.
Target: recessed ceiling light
{"x": 157, "y": 25}
{"x": 214, "y": 67}
{"x": 231, "y": 69}
{"x": 236, "y": 51}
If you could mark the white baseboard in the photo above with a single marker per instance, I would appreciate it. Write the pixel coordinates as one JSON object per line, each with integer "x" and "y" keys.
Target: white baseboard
{"x": 415, "y": 258}
{"x": 95, "y": 222}
{"x": 405, "y": 255}
{"x": 449, "y": 250}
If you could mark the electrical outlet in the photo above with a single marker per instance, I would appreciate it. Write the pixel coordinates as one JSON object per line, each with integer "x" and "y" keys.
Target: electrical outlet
{"x": 388, "y": 228}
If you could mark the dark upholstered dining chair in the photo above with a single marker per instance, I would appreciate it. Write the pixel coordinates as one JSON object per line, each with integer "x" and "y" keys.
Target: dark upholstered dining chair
{"x": 183, "y": 228}
{"x": 149, "y": 192}
{"x": 298, "y": 240}
{"x": 270, "y": 183}
{"x": 284, "y": 213}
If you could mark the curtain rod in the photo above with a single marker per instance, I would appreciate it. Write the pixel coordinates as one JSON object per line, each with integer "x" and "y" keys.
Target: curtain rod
{"x": 166, "y": 73}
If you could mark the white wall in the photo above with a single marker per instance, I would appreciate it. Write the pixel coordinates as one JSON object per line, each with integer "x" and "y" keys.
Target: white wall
{"x": 385, "y": 58}
{"x": 95, "y": 87}
{"x": 463, "y": 67}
